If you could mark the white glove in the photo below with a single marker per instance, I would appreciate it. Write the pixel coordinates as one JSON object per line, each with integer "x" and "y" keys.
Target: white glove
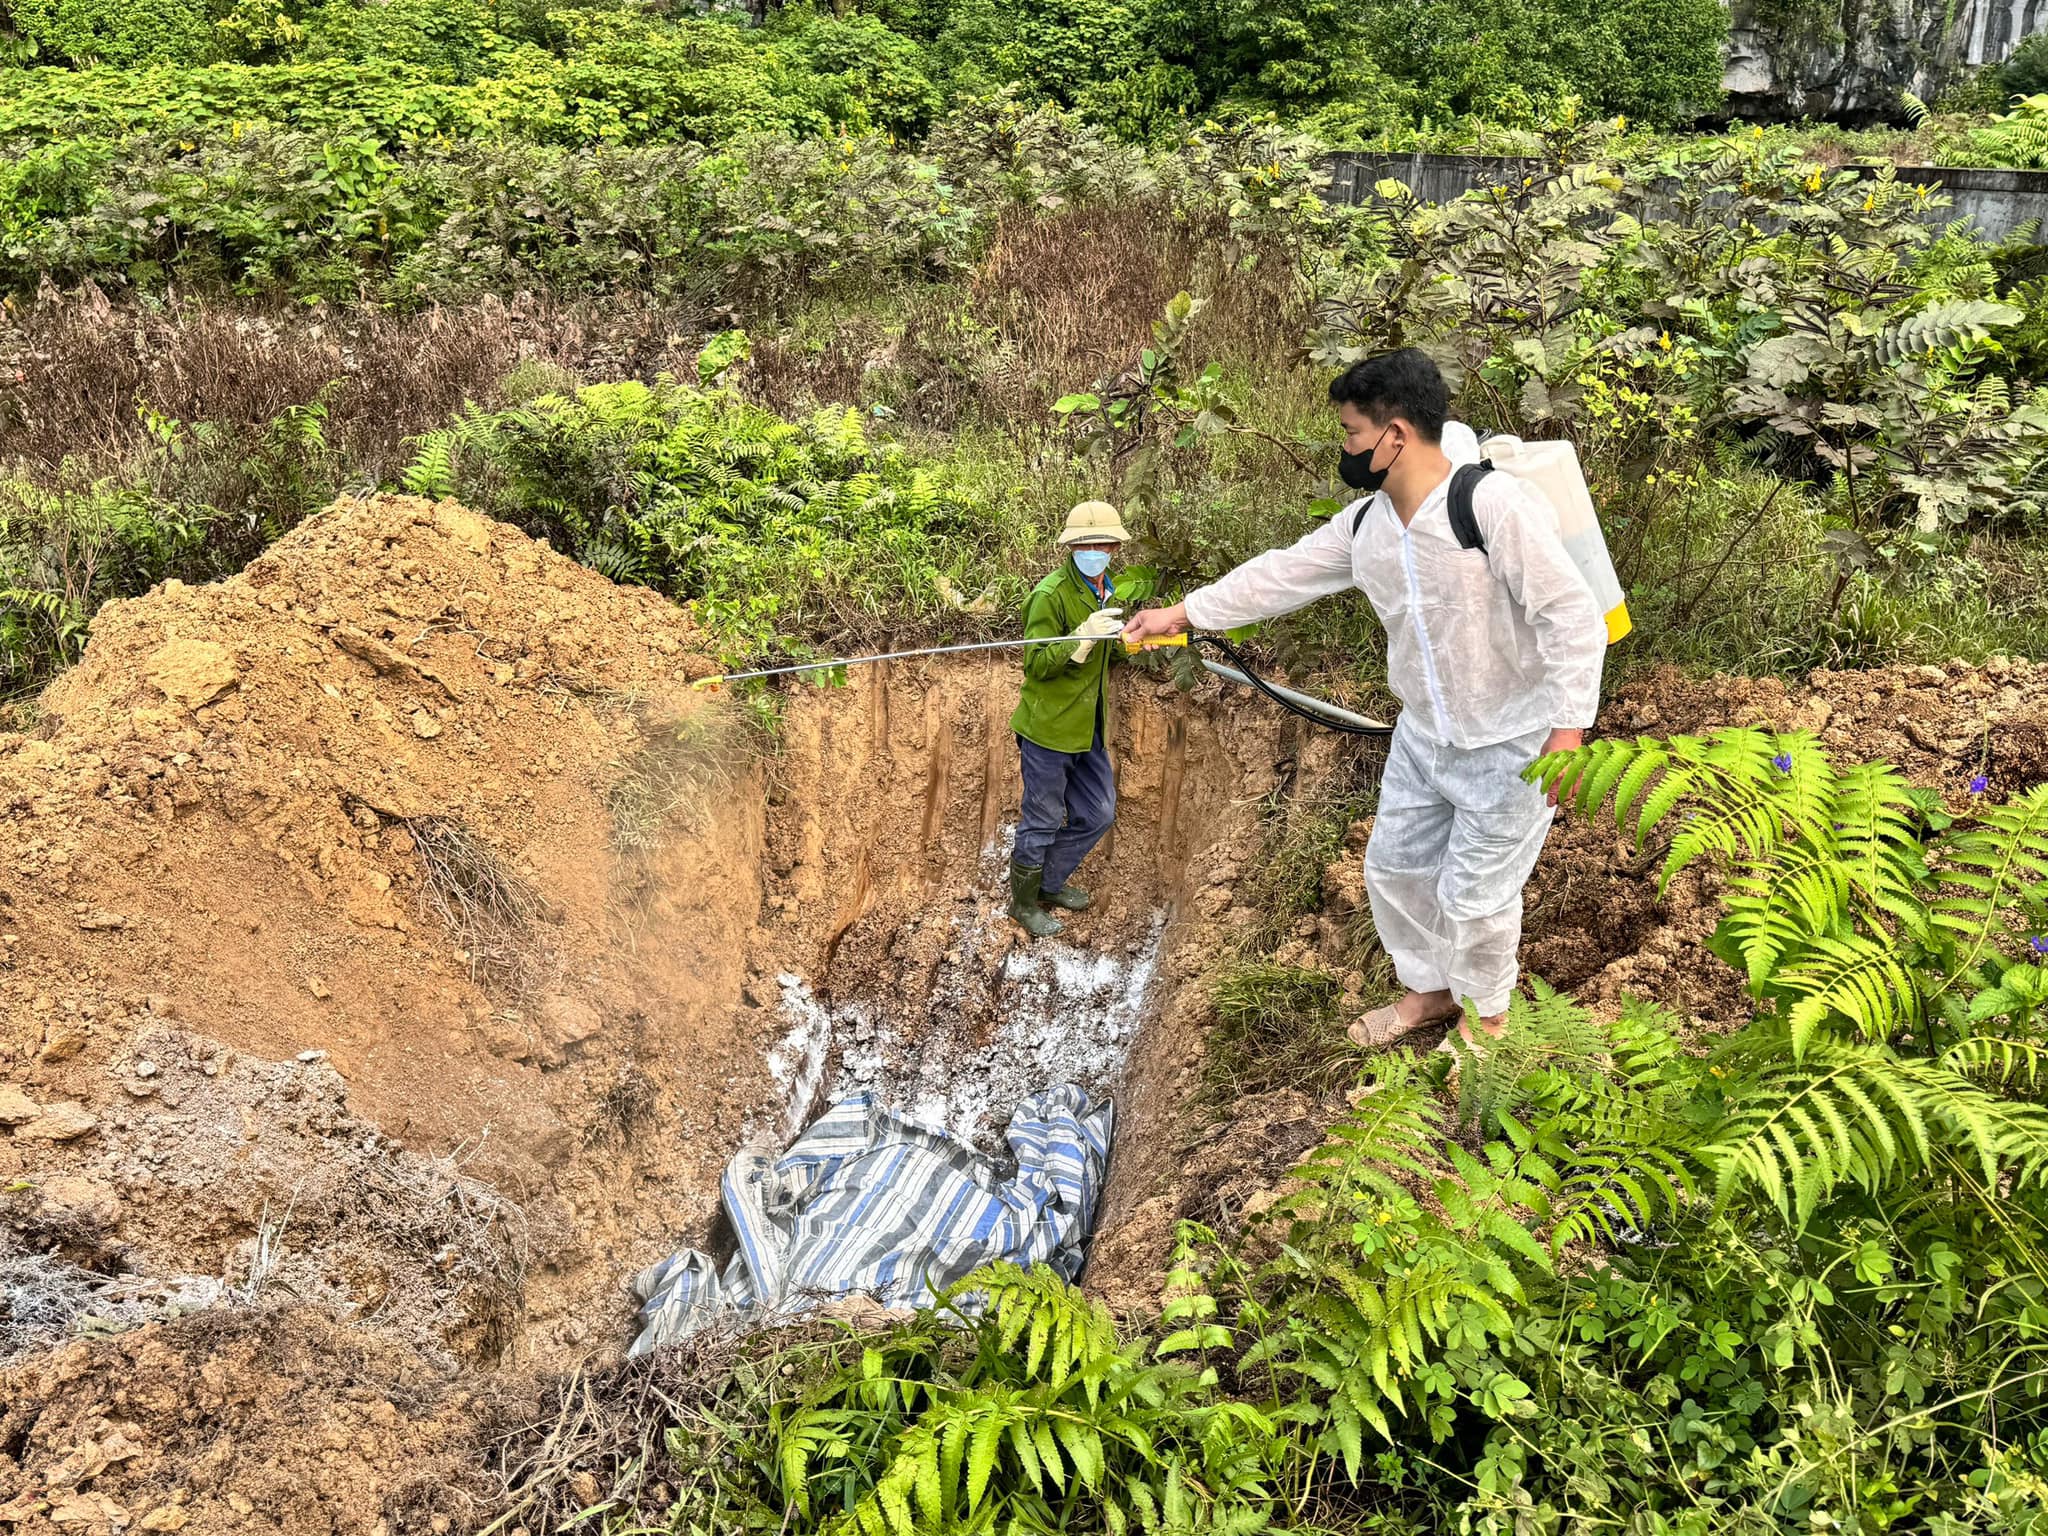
{"x": 1099, "y": 625}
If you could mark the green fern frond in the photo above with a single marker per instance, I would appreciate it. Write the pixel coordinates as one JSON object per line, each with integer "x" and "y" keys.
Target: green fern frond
{"x": 1778, "y": 906}
{"x": 2001, "y": 866}
{"x": 432, "y": 471}
{"x": 1876, "y": 819}
{"x": 1856, "y": 1114}
{"x": 1744, "y": 790}
{"x": 1854, "y": 978}
{"x": 1997, "y": 1059}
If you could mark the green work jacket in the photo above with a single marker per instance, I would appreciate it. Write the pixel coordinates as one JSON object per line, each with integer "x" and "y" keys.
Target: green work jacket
{"x": 1063, "y": 705}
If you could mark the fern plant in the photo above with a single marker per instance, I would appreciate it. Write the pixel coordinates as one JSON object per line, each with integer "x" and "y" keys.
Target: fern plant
{"x": 1029, "y": 1415}
{"x": 1880, "y": 938}
{"x": 770, "y": 528}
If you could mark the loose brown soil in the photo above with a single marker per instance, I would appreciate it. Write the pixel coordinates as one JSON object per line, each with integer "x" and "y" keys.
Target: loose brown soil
{"x": 390, "y": 958}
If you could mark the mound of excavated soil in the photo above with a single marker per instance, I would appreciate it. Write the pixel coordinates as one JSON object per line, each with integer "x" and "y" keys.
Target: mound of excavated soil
{"x": 244, "y": 1420}
{"x": 216, "y": 854}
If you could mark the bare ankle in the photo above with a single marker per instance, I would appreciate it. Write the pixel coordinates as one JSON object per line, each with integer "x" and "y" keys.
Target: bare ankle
{"x": 1422, "y": 1006}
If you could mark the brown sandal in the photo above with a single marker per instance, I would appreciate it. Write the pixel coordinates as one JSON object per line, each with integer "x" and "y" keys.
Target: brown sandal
{"x": 1377, "y": 1030}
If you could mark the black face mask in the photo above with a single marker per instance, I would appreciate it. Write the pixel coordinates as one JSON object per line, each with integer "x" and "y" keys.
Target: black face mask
{"x": 1356, "y": 471}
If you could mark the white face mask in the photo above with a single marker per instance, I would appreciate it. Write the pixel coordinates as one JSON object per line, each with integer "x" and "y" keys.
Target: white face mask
{"x": 1091, "y": 562}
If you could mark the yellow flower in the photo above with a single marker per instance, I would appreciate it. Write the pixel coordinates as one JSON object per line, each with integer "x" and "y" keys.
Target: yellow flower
{"x": 1664, "y": 341}
{"x": 1813, "y": 181}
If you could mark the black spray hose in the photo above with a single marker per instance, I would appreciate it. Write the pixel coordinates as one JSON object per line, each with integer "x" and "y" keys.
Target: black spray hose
{"x": 1329, "y": 722}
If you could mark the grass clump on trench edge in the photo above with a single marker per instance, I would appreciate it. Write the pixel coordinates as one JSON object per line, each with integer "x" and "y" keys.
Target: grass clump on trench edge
{"x": 678, "y": 768}
{"x": 1277, "y": 1026}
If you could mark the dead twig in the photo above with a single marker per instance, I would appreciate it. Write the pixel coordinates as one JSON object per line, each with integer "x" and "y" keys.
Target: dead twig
{"x": 490, "y": 910}
{"x": 386, "y": 661}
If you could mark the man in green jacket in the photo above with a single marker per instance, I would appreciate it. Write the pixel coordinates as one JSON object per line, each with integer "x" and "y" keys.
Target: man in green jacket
{"x": 1061, "y": 721}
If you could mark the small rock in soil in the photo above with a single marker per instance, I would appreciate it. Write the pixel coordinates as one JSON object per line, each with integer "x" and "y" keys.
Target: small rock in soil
{"x": 61, "y": 1122}
{"x": 86, "y": 1199}
{"x": 16, "y": 1107}
{"x": 63, "y": 1044}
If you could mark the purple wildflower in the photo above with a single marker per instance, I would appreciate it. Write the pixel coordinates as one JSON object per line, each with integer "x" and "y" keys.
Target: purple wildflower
{"x": 1979, "y": 784}
{"x": 1782, "y": 762}
{"x": 2039, "y": 943}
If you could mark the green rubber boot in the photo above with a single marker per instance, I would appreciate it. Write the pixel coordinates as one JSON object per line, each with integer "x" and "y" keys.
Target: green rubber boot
{"x": 1069, "y": 896}
{"x": 1025, "y": 881}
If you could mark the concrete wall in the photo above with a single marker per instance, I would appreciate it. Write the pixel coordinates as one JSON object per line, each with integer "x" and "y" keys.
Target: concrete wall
{"x": 2000, "y": 203}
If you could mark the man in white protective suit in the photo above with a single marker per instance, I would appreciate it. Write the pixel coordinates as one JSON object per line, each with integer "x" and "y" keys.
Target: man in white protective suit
{"x": 1495, "y": 654}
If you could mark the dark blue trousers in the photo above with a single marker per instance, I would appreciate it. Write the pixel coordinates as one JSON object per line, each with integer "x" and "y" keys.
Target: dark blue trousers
{"x": 1069, "y": 802}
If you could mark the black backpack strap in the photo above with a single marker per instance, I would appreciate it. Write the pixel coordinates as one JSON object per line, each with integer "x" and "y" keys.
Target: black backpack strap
{"x": 1358, "y": 516}
{"x": 1464, "y": 521}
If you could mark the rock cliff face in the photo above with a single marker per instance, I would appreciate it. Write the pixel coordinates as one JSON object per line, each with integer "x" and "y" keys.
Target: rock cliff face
{"x": 1851, "y": 59}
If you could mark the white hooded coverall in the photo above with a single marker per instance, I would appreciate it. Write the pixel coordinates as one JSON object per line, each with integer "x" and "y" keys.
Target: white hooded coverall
{"x": 1488, "y": 652}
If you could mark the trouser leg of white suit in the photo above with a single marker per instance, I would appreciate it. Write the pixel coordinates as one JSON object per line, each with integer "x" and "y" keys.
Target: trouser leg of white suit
{"x": 1455, "y": 837}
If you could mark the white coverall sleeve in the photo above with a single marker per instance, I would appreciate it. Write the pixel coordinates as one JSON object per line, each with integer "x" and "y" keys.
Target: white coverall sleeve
{"x": 1525, "y": 552}
{"x": 1280, "y": 580}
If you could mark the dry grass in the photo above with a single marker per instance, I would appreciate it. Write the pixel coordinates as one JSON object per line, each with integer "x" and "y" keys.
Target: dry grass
{"x": 1076, "y": 293}
{"x": 679, "y": 770}
{"x": 625, "y": 1109}
{"x": 73, "y": 370}
{"x": 491, "y": 911}
{"x": 40, "y": 1297}
{"x": 604, "y": 1437}
{"x": 1059, "y": 301}
{"x": 427, "y": 1210}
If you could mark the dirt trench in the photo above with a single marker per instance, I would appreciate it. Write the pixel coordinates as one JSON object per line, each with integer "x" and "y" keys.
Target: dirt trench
{"x": 391, "y": 939}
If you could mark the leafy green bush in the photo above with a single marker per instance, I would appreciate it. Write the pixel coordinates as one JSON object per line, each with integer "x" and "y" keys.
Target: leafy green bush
{"x": 1515, "y": 59}
{"x": 618, "y": 77}
{"x": 2025, "y": 70}
{"x": 767, "y": 528}
{"x": 857, "y": 71}
{"x": 258, "y": 210}
{"x": 204, "y": 501}
{"x": 114, "y": 32}
{"x": 445, "y": 40}
{"x": 262, "y": 210}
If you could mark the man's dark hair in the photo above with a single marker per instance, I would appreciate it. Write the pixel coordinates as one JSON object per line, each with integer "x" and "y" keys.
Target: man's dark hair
{"x": 1404, "y": 383}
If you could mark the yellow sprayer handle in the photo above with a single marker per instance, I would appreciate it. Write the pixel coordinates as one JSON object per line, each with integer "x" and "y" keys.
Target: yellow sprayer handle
{"x": 1156, "y": 642}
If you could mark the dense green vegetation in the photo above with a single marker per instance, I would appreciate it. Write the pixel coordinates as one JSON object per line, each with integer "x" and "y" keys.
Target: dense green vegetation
{"x": 1820, "y": 382}
{"x": 617, "y": 71}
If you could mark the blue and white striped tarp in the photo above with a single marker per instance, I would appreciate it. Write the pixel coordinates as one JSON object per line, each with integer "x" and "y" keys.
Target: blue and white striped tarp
{"x": 866, "y": 1202}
